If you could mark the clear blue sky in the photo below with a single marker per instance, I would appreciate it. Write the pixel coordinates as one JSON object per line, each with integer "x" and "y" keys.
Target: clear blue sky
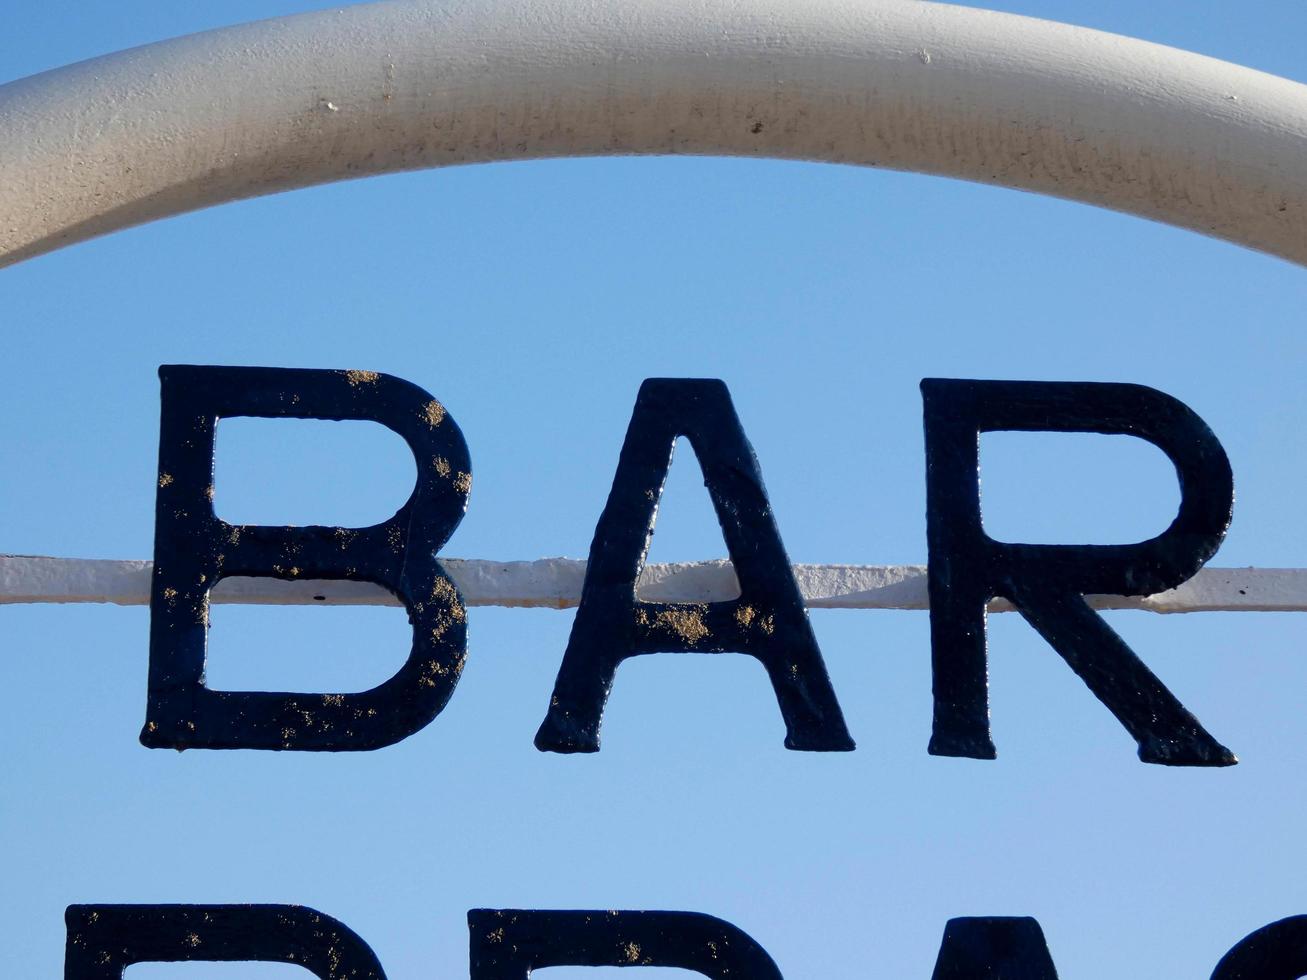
{"x": 532, "y": 299}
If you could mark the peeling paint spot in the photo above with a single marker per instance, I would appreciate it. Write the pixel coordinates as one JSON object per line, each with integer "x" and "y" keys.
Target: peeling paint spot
{"x": 686, "y": 622}
{"x": 434, "y": 413}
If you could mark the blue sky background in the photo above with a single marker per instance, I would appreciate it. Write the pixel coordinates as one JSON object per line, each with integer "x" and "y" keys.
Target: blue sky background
{"x": 532, "y": 299}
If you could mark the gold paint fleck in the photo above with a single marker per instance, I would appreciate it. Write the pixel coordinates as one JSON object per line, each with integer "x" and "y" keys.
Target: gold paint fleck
{"x": 444, "y": 592}
{"x": 496, "y": 935}
{"x": 767, "y": 625}
{"x": 463, "y": 482}
{"x": 744, "y": 616}
{"x": 165, "y": 479}
{"x": 192, "y": 939}
{"x": 356, "y": 378}
{"x": 334, "y": 700}
{"x": 208, "y": 491}
{"x": 631, "y": 951}
{"x": 441, "y": 466}
{"x": 686, "y": 622}
{"x": 434, "y": 413}
{"x": 170, "y": 594}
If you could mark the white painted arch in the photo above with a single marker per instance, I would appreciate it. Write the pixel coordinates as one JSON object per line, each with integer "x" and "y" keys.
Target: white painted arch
{"x": 409, "y": 84}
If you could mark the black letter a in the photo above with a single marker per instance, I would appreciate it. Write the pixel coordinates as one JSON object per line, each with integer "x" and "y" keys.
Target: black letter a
{"x": 768, "y": 621}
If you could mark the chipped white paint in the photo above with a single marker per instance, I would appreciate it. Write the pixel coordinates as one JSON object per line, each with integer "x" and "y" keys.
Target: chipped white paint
{"x": 407, "y": 84}
{"x": 556, "y": 583}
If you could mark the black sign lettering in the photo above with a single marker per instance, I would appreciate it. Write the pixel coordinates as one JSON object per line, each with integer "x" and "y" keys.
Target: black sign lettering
{"x": 507, "y": 944}
{"x": 194, "y": 549}
{"x": 103, "y": 940}
{"x": 768, "y": 621}
{"x": 1274, "y": 952}
{"x": 1047, "y": 583}
{"x": 1001, "y": 948}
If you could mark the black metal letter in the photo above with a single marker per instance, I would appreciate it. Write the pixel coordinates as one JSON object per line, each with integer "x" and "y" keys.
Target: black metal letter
{"x": 768, "y": 621}
{"x": 1274, "y": 952}
{"x": 1047, "y": 583}
{"x": 507, "y": 944}
{"x": 193, "y": 550}
{"x": 103, "y": 940}
{"x": 994, "y": 948}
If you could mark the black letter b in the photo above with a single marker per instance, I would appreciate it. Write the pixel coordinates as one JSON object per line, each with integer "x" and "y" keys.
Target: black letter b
{"x": 194, "y": 549}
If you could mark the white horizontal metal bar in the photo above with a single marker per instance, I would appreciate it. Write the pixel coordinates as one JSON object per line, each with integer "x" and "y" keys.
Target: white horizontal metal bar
{"x": 405, "y": 84}
{"x": 556, "y": 583}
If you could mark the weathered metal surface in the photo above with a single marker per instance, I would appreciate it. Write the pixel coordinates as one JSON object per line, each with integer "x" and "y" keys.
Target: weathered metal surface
{"x": 507, "y": 944}
{"x": 1047, "y": 582}
{"x": 768, "y": 620}
{"x": 377, "y": 88}
{"x": 103, "y": 940}
{"x": 555, "y": 583}
{"x": 194, "y": 549}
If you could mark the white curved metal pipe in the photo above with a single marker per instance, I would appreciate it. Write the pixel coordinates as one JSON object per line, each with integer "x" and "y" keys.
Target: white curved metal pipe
{"x": 407, "y": 84}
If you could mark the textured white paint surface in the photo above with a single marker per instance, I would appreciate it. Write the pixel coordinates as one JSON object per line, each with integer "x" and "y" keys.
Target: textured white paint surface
{"x": 556, "y": 583}
{"x": 409, "y": 84}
